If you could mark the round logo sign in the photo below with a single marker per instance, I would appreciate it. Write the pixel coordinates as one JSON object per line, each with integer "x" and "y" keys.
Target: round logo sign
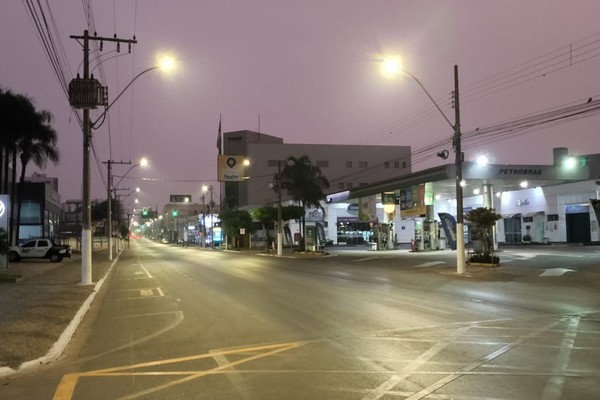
{"x": 2, "y": 208}
{"x": 231, "y": 162}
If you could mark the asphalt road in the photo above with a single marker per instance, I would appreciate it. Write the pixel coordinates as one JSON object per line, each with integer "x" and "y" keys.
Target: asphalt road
{"x": 187, "y": 323}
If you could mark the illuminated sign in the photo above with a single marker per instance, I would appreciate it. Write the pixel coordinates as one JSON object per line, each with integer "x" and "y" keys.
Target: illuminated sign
{"x": 217, "y": 234}
{"x": 180, "y": 198}
{"x": 4, "y": 212}
{"x": 231, "y": 168}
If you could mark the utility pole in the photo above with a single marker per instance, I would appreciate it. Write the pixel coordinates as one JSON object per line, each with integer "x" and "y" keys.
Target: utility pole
{"x": 279, "y": 216}
{"x": 109, "y": 190}
{"x": 460, "y": 232}
{"x": 203, "y": 221}
{"x": 212, "y": 220}
{"x": 87, "y": 93}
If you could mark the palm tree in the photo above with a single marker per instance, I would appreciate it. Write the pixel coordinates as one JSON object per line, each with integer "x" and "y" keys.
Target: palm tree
{"x": 17, "y": 117}
{"x": 16, "y": 112}
{"x": 304, "y": 182}
{"x": 39, "y": 146}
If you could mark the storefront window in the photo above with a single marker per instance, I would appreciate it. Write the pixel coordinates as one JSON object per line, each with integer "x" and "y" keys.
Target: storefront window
{"x": 352, "y": 232}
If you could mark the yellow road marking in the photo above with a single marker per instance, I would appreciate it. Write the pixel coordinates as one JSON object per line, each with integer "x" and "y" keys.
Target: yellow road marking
{"x": 67, "y": 385}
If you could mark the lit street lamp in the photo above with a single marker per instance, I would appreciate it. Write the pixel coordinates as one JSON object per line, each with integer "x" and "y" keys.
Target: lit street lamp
{"x": 143, "y": 163}
{"x": 86, "y": 234}
{"x": 393, "y": 66}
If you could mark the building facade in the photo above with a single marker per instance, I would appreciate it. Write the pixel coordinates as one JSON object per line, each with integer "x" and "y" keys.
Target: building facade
{"x": 40, "y": 208}
{"x": 345, "y": 166}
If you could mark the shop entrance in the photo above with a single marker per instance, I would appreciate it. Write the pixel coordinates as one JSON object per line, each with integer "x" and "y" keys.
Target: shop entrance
{"x": 512, "y": 229}
{"x": 577, "y": 219}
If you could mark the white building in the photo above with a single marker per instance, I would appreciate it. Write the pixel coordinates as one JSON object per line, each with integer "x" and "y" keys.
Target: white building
{"x": 538, "y": 203}
{"x": 345, "y": 166}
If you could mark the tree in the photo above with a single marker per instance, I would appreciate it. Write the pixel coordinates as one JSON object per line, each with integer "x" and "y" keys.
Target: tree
{"x": 483, "y": 220}
{"x": 18, "y": 120}
{"x": 233, "y": 221}
{"x": 304, "y": 182}
{"x": 266, "y": 216}
{"x": 37, "y": 145}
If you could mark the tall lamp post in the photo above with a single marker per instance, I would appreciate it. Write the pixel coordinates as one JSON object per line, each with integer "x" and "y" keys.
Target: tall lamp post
{"x": 143, "y": 163}
{"x": 211, "y": 204}
{"x": 279, "y": 213}
{"x": 393, "y": 66}
{"x": 86, "y": 94}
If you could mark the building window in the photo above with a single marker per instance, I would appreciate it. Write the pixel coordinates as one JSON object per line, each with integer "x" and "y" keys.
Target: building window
{"x": 362, "y": 184}
{"x": 527, "y": 219}
{"x": 323, "y": 164}
{"x": 348, "y": 164}
{"x": 397, "y": 164}
{"x": 386, "y": 164}
{"x": 349, "y": 185}
{"x": 404, "y": 164}
{"x": 363, "y": 164}
{"x": 341, "y": 186}
{"x": 552, "y": 217}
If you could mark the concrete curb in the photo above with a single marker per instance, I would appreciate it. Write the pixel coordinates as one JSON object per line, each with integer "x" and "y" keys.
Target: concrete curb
{"x": 63, "y": 341}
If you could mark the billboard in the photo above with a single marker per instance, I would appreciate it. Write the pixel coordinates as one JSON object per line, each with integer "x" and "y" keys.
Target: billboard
{"x": 412, "y": 202}
{"x": 231, "y": 168}
{"x": 367, "y": 209}
{"x": 180, "y": 198}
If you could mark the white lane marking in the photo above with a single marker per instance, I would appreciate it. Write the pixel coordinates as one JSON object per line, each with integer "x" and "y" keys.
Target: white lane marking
{"x": 386, "y": 280}
{"x": 365, "y": 259}
{"x": 556, "y": 272}
{"x": 556, "y": 382}
{"x": 160, "y": 292}
{"x": 430, "y": 264}
{"x": 146, "y": 292}
{"x": 414, "y": 365}
{"x": 145, "y": 270}
{"x": 488, "y": 358}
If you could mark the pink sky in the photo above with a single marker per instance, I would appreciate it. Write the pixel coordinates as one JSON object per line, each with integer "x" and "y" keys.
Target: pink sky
{"x": 309, "y": 70}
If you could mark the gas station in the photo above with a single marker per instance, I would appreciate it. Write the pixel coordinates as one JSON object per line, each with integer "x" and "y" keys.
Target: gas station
{"x": 538, "y": 203}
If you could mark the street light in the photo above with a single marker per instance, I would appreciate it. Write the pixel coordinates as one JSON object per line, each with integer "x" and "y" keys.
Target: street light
{"x": 393, "y": 66}
{"x": 86, "y": 233}
{"x": 143, "y": 162}
{"x": 207, "y": 188}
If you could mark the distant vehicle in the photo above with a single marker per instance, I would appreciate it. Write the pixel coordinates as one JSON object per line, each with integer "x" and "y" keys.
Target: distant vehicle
{"x": 39, "y": 248}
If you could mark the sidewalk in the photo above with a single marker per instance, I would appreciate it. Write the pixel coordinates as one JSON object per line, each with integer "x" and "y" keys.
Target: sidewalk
{"x": 38, "y": 302}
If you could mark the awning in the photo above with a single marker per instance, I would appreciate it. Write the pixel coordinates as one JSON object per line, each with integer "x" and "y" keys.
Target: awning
{"x": 509, "y": 216}
{"x": 534, "y": 214}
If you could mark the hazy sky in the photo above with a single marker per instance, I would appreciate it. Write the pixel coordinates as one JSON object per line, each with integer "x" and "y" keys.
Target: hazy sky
{"x": 309, "y": 72}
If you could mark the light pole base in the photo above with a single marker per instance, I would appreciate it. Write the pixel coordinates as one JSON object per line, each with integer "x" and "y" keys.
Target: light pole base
{"x": 86, "y": 257}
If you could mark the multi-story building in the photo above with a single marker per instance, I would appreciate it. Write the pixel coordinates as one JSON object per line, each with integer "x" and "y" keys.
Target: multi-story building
{"x": 345, "y": 166}
{"x": 40, "y": 208}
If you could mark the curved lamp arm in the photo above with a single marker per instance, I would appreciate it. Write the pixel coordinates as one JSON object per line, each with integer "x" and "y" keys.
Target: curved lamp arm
{"x": 430, "y": 97}
{"x": 121, "y": 94}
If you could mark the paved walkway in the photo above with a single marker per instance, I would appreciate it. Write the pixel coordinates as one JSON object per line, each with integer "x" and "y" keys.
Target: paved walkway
{"x": 38, "y": 300}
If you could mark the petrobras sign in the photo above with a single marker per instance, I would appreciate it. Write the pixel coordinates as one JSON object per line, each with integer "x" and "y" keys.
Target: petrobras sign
{"x": 231, "y": 168}
{"x": 4, "y": 213}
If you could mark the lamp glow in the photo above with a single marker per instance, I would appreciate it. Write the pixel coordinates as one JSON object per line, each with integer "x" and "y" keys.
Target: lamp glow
{"x": 481, "y": 160}
{"x": 389, "y": 208}
{"x": 165, "y": 63}
{"x": 570, "y": 162}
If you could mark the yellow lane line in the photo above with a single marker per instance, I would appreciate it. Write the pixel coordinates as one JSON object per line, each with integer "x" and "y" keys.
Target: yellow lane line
{"x": 67, "y": 385}
{"x": 210, "y": 371}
